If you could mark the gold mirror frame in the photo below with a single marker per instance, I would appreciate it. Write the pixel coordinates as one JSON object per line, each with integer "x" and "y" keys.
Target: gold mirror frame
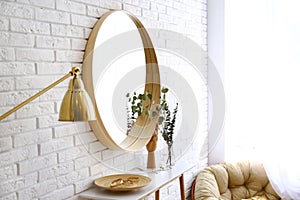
{"x": 144, "y": 127}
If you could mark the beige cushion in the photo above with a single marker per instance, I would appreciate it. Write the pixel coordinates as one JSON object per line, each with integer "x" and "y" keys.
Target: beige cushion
{"x": 234, "y": 181}
{"x": 263, "y": 197}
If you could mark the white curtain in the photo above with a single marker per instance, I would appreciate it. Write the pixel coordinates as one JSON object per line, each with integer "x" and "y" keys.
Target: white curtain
{"x": 283, "y": 169}
{"x": 262, "y": 87}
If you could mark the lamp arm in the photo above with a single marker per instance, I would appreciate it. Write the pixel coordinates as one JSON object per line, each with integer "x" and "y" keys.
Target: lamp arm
{"x": 75, "y": 71}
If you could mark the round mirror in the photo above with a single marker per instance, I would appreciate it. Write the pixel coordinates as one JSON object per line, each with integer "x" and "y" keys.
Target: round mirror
{"x": 120, "y": 59}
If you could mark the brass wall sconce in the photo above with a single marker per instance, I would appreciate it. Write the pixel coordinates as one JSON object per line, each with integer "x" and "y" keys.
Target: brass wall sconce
{"x": 76, "y": 104}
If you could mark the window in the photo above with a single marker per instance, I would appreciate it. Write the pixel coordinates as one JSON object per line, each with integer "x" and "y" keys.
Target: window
{"x": 262, "y": 87}
{"x": 262, "y": 75}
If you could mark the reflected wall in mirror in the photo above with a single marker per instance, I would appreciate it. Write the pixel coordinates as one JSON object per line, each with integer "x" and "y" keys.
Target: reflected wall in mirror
{"x": 120, "y": 59}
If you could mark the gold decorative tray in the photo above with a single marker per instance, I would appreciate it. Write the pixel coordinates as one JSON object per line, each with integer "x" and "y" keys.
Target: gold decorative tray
{"x": 122, "y": 182}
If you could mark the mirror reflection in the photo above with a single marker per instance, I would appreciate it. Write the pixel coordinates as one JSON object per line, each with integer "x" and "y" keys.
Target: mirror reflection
{"x": 120, "y": 59}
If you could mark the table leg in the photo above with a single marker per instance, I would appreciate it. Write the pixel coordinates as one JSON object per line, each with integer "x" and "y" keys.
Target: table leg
{"x": 182, "y": 191}
{"x": 157, "y": 195}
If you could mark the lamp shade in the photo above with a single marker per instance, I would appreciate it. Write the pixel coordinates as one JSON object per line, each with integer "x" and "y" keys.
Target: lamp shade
{"x": 76, "y": 104}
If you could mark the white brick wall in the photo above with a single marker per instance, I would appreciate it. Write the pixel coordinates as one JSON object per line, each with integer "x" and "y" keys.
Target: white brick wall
{"x": 41, "y": 158}
{"x": 16, "y": 39}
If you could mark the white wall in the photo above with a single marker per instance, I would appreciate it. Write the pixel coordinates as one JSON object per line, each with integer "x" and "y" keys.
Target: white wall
{"x": 40, "y": 40}
{"x": 215, "y": 70}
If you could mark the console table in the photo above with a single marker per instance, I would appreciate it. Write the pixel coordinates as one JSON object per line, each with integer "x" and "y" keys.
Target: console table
{"x": 159, "y": 180}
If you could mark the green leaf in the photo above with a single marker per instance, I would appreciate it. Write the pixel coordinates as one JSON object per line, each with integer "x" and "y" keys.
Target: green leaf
{"x": 133, "y": 108}
{"x": 158, "y": 108}
{"x": 154, "y": 114}
{"x": 144, "y": 97}
{"x": 164, "y": 90}
{"x": 149, "y": 96}
{"x": 160, "y": 120}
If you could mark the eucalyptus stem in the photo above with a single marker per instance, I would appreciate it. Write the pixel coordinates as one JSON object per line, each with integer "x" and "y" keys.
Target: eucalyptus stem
{"x": 141, "y": 103}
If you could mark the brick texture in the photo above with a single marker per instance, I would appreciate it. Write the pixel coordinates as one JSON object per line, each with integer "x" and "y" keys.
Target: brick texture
{"x": 41, "y": 158}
